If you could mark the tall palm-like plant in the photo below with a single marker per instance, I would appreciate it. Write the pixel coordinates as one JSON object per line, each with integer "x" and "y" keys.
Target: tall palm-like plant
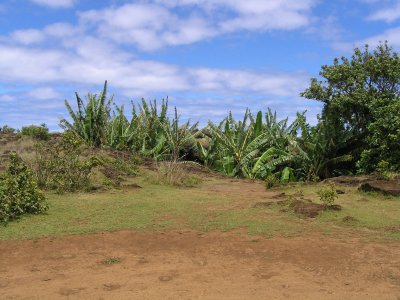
{"x": 320, "y": 143}
{"x": 237, "y": 146}
{"x": 121, "y": 134}
{"x": 178, "y": 136}
{"x": 91, "y": 119}
{"x": 149, "y": 122}
{"x": 252, "y": 149}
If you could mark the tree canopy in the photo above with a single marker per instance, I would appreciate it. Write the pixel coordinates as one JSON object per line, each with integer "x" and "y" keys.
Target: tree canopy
{"x": 361, "y": 96}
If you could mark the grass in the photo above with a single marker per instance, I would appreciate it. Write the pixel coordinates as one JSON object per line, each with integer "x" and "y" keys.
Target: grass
{"x": 216, "y": 204}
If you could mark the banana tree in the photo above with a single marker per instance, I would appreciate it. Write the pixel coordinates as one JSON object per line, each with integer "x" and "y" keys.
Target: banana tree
{"x": 177, "y": 136}
{"x": 91, "y": 119}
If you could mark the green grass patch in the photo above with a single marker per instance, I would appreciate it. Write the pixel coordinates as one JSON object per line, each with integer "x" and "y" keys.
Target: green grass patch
{"x": 205, "y": 208}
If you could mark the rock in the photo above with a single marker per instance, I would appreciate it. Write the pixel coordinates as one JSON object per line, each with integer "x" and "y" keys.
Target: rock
{"x": 391, "y": 188}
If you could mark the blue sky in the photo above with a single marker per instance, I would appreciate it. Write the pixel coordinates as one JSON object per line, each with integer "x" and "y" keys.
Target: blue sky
{"x": 208, "y": 56}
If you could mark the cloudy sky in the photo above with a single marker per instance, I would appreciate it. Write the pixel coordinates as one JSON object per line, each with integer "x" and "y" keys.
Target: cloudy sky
{"x": 208, "y": 56}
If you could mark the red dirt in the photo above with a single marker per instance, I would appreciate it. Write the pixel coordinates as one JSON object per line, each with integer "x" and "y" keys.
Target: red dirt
{"x": 191, "y": 265}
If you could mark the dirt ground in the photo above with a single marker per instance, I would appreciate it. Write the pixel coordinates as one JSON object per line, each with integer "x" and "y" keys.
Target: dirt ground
{"x": 192, "y": 265}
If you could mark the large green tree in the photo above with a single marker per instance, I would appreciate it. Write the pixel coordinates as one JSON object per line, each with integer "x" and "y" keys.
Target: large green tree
{"x": 360, "y": 95}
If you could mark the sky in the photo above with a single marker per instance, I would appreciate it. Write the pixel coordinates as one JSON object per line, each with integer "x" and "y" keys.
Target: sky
{"x": 208, "y": 57}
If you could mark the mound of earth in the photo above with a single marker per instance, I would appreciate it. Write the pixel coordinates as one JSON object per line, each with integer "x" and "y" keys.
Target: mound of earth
{"x": 348, "y": 180}
{"x": 305, "y": 207}
{"x": 385, "y": 187}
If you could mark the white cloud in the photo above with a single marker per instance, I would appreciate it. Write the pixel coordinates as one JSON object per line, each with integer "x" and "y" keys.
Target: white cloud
{"x": 391, "y": 35}
{"x": 389, "y": 14}
{"x": 153, "y": 24}
{"x": 6, "y": 98}
{"x": 43, "y": 93}
{"x": 91, "y": 63}
{"x": 86, "y": 54}
{"x": 55, "y": 3}
{"x": 28, "y": 36}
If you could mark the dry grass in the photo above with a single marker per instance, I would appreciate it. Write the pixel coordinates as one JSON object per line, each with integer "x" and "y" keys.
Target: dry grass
{"x": 24, "y": 146}
{"x": 174, "y": 174}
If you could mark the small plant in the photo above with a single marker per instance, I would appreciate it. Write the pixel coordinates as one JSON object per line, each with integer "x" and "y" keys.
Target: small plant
{"x": 37, "y": 132}
{"x": 270, "y": 181}
{"x": 111, "y": 261}
{"x": 327, "y": 195}
{"x": 19, "y": 193}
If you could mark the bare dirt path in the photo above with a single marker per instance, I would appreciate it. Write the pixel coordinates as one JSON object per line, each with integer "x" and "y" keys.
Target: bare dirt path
{"x": 191, "y": 265}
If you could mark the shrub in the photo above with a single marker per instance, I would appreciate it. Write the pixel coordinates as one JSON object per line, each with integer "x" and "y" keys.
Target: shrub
{"x": 7, "y": 129}
{"x": 37, "y": 132}
{"x": 19, "y": 193}
{"x": 327, "y": 195}
{"x": 61, "y": 166}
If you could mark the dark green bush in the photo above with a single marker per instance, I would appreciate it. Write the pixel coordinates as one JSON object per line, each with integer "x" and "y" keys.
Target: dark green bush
{"x": 19, "y": 193}
{"x": 37, "y": 132}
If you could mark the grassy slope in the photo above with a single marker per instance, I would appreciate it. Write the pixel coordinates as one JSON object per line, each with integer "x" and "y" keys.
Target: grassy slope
{"x": 207, "y": 207}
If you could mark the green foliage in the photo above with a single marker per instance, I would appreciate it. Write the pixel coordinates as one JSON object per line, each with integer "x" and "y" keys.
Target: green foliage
{"x": 270, "y": 181}
{"x": 178, "y": 137}
{"x": 328, "y": 194}
{"x": 37, "y": 132}
{"x": 385, "y": 170}
{"x": 384, "y": 138}
{"x": 361, "y": 96}
{"x": 206, "y": 149}
{"x": 61, "y": 166}
{"x": 149, "y": 121}
{"x": 91, "y": 119}
{"x": 119, "y": 131}
{"x": 19, "y": 193}
{"x": 322, "y": 144}
{"x": 252, "y": 149}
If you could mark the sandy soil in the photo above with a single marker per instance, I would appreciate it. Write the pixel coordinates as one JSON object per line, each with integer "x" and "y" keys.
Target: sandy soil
{"x": 191, "y": 265}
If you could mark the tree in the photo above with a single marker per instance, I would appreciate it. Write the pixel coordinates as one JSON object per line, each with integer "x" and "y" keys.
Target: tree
{"x": 355, "y": 93}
